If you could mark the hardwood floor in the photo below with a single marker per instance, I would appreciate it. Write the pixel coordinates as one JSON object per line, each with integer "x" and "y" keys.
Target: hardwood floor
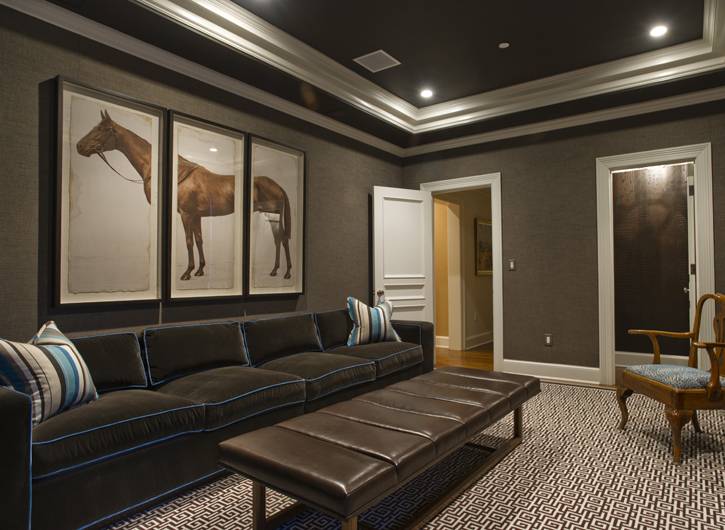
{"x": 480, "y": 358}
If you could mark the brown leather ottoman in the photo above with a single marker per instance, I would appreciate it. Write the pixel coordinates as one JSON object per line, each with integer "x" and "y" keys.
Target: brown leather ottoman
{"x": 345, "y": 458}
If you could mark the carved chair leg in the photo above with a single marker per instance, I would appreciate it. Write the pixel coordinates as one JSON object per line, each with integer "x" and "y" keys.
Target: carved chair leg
{"x": 622, "y": 395}
{"x": 696, "y": 422}
{"x": 678, "y": 419}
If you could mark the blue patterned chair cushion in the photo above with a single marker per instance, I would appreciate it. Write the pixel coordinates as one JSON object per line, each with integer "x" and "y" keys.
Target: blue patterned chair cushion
{"x": 674, "y": 375}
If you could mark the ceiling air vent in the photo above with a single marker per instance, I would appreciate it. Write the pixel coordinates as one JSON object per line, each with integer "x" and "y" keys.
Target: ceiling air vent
{"x": 377, "y": 61}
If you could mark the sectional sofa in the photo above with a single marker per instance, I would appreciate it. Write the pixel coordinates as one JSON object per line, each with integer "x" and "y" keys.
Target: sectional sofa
{"x": 168, "y": 396}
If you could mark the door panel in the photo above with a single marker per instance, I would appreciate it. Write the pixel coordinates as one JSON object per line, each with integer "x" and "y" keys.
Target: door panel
{"x": 651, "y": 255}
{"x": 403, "y": 257}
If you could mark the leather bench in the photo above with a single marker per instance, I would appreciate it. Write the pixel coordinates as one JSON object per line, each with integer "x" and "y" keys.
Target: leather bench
{"x": 345, "y": 458}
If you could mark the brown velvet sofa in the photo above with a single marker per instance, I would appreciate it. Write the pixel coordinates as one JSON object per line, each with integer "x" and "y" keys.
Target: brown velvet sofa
{"x": 168, "y": 396}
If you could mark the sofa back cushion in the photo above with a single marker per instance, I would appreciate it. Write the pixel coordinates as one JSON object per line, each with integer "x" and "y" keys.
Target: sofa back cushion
{"x": 114, "y": 360}
{"x": 271, "y": 339}
{"x": 334, "y": 327}
{"x": 172, "y": 351}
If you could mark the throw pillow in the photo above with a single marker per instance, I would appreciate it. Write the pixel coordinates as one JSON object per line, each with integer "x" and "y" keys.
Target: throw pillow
{"x": 49, "y": 370}
{"x": 370, "y": 324}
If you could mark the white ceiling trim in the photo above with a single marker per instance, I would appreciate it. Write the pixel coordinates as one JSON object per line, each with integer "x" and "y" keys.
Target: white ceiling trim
{"x": 75, "y": 23}
{"x": 249, "y": 34}
{"x": 613, "y": 113}
{"x": 100, "y": 33}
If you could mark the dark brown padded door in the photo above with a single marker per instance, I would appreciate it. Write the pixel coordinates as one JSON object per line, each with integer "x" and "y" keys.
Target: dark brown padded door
{"x": 651, "y": 265}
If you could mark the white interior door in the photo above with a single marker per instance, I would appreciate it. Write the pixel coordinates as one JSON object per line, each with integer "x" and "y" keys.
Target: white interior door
{"x": 403, "y": 250}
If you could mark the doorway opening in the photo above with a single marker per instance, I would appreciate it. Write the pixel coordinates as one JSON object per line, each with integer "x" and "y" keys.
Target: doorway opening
{"x": 653, "y": 230}
{"x": 655, "y": 250}
{"x": 463, "y": 273}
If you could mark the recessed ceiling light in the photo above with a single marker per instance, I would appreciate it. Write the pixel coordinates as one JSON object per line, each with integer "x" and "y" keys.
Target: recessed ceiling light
{"x": 658, "y": 31}
{"x": 213, "y": 149}
{"x": 503, "y": 45}
{"x": 426, "y": 93}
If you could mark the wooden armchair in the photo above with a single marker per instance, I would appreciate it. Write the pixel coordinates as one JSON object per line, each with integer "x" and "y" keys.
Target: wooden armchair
{"x": 682, "y": 390}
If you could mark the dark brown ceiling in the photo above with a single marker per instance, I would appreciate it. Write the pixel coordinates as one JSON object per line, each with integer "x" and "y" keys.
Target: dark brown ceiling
{"x": 452, "y": 46}
{"x": 333, "y": 26}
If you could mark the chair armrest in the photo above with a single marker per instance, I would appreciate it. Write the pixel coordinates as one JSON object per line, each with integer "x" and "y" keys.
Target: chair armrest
{"x": 654, "y": 339}
{"x": 15, "y": 454}
{"x": 713, "y": 387}
{"x": 418, "y": 333}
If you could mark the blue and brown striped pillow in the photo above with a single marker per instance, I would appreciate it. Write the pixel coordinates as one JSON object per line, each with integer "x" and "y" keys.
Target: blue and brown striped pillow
{"x": 49, "y": 370}
{"x": 370, "y": 324}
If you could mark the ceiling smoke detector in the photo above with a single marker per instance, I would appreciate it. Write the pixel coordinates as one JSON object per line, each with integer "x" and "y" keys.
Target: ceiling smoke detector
{"x": 377, "y": 61}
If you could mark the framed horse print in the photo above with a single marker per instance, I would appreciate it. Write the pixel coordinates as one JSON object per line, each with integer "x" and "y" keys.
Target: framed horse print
{"x": 276, "y": 219}
{"x": 110, "y": 167}
{"x": 207, "y": 209}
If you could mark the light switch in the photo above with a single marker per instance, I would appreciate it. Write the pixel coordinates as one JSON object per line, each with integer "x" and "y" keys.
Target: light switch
{"x": 512, "y": 264}
{"x": 548, "y": 339}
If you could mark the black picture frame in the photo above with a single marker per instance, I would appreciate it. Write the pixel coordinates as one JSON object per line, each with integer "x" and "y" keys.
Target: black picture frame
{"x": 250, "y": 290}
{"x": 61, "y": 298}
{"x": 242, "y": 136}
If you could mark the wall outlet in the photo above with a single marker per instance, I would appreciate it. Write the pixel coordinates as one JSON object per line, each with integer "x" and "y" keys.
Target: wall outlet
{"x": 548, "y": 339}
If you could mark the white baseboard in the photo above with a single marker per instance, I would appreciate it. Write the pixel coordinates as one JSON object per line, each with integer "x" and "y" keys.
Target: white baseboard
{"x": 629, "y": 358}
{"x": 555, "y": 372}
{"x": 479, "y": 339}
{"x": 442, "y": 342}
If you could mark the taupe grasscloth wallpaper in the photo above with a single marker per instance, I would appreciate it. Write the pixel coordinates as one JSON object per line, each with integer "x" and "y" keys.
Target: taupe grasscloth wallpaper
{"x": 548, "y": 186}
{"x": 340, "y": 176}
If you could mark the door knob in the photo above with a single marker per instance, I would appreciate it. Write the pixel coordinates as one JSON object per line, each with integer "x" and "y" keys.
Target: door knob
{"x": 686, "y": 290}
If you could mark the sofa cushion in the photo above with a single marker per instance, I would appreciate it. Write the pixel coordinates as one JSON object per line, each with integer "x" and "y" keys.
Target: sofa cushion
{"x": 235, "y": 393}
{"x": 114, "y": 360}
{"x": 173, "y": 351}
{"x": 325, "y": 373}
{"x": 49, "y": 370}
{"x": 389, "y": 357}
{"x": 273, "y": 338}
{"x": 334, "y": 327}
{"x": 116, "y": 423}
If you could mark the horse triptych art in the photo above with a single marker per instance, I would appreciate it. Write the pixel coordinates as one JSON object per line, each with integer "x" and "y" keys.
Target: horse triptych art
{"x": 114, "y": 194}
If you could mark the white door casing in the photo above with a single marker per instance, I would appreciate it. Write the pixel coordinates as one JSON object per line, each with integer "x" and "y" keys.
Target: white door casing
{"x": 704, "y": 281}
{"x": 403, "y": 251}
{"x": 492, "y": 181}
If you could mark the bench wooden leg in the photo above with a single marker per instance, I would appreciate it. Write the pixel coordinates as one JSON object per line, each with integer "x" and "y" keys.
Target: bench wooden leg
{"x": 519, "y": 422}
{"x": 259, "y": 506}
{"x": 350, "y": 524}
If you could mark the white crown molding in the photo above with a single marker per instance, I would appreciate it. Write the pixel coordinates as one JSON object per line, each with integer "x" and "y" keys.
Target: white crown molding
{"x": 67, "y": 20}
{"x": 90, "y": 29}
{"x": 588, "y": 118}
{"x": 231, "y": 25}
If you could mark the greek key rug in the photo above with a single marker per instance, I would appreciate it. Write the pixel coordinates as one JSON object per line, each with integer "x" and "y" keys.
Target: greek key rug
{"x": 574, "y": 470}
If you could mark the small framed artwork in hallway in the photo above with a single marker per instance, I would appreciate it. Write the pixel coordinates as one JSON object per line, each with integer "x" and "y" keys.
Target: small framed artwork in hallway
{"x": 108, "y": 192}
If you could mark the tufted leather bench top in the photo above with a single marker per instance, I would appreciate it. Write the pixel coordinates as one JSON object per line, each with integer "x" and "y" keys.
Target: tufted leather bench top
{"x": 345, "y": 457}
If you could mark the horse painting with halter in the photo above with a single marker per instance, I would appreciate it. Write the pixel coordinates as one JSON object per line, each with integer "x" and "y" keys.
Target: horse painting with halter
{"x": 200, "y": 192}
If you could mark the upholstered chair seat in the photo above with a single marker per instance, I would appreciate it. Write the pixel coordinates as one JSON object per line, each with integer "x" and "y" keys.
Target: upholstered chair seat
{"x": 674, "y": 375}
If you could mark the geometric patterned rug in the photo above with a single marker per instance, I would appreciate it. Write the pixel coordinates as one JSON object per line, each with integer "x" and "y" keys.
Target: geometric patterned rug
{"x": 574, "y": 470}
